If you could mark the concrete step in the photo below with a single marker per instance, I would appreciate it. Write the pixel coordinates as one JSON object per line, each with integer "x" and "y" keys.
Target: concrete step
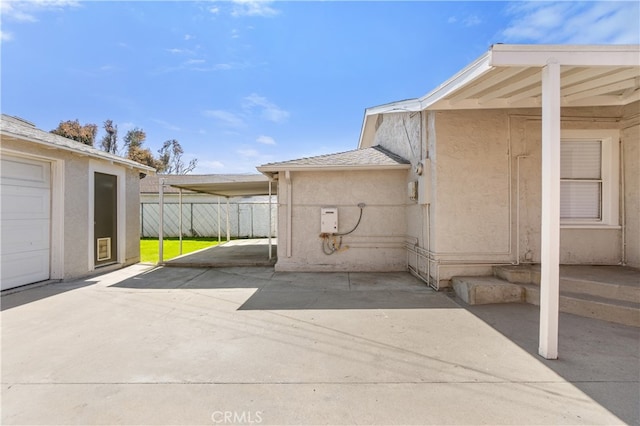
{"x": 485, "y": 290}
{"x": 592, "y": 281}
{"x": 591, "y": 306}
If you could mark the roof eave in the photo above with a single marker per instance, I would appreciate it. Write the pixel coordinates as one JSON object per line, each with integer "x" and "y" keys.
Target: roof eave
{"x": 270, "y": 170}
{"x": 105, "y": 157}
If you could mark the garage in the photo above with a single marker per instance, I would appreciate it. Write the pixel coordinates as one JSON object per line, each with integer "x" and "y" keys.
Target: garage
{"x": 25, "y": 200}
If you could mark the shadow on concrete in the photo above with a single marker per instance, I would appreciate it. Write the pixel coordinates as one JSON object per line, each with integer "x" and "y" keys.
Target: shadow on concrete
{"x": 296, "y": 290}
{"x": 243, "y": 252}
{"x": 38, "y": 291}
{"x": 600, "y": 358}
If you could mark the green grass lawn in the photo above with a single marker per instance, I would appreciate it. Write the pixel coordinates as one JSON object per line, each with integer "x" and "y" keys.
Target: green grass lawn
{"x": 171, "y": 248}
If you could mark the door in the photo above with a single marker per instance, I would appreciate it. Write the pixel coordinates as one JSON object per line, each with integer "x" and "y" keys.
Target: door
{"x": 105, "y": 219}
{"x": 25, "y": 224}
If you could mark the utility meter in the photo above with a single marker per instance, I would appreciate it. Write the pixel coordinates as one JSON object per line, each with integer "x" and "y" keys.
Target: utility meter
{"x": 329, "y": 220}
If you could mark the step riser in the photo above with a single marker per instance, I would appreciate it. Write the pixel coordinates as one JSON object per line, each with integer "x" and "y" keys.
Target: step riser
{"x": 606, "y": 312}
{"x": 592, "y": 288}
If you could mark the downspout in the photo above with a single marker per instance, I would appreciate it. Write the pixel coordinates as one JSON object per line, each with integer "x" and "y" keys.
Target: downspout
{"x": 287, "y": 178}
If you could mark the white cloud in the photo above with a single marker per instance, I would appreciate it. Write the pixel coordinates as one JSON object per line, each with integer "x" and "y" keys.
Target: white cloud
{"x": 214, "y": 10}
{"x": 249, "y": 153}
{"x": 253, "y": 8}
{"x": 187, "y": 37}
{"x": 472, "y": 21}
{"x": 225, "y": 117}
{"x": 266, "y": 140}
{"x": 600, "y": 22}
{"x": 452, "y": 20}
{"x": 270, "y": 111}
{"x": 25, "y": 11}
{"x": 176, "y": 51}
{"x": 208, "y": 166}
{"x": 167, "y": 125}
{"x": 5, "y": 36}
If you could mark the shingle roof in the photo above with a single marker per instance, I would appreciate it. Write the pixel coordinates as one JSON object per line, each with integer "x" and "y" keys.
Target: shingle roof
{"x": 13, "y": 127}
{"x": 375, "y": 156}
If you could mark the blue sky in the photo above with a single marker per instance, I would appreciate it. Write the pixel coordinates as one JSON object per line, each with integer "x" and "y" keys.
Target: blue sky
{"x": 243, "y": 83}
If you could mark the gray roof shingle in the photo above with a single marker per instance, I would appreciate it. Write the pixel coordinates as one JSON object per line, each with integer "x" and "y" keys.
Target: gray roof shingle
{"x": 22, "y": 129}
{"x": 371, "y": 157}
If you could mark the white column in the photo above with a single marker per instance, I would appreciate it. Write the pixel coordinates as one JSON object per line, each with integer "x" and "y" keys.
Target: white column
{"x": 219, "y": 238}
{"x": 550, "y": 230}
{"x": 180, "y": 213}
{"x": 269, "y": 220}
{"x": 161, "y": 222}
{"x": 228, "y": 229}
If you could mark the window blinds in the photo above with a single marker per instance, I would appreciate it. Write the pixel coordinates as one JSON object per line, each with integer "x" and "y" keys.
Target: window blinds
{"x": 581, "y": 185}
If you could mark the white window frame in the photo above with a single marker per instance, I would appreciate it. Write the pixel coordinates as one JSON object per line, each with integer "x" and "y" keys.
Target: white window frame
{"x": 610, "y": 176}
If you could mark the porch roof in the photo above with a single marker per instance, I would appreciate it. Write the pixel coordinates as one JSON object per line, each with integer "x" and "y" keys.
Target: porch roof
{"x": 223, "y": 185}
{"x": 510, "y": 76}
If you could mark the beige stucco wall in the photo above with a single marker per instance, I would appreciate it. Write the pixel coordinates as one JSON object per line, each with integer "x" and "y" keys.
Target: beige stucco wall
{"x": 76, "y": 205}
{"x": 487, "y": 167}
{"x": 378, "y": 242}
{"x": 485, "y": 186}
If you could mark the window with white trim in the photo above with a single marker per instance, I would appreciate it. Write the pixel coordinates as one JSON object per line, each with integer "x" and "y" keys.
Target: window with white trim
{"x": 589, "y": 177}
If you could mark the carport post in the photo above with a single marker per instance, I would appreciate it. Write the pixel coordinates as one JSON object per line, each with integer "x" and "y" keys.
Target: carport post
{"x": 228, "y": 230}
{"x": 219, "y": 239}
{"x": 180, "y": 219}
{"x": 550, "y": 228}
{"x": 269, "y": 220}
{"x": 160, "y": 220}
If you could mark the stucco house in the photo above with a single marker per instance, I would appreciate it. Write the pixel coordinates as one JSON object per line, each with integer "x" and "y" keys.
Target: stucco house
{"x": 67, "y": 209}
{"x": 456, "y": 174}
{"x": 530, "y": 154}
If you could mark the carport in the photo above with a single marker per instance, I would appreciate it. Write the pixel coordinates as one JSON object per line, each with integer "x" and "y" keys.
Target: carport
{"x": 221, "y": 186}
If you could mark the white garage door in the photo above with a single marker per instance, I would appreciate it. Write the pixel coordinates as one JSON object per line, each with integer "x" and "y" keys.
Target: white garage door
{"x": 25, "y": 221}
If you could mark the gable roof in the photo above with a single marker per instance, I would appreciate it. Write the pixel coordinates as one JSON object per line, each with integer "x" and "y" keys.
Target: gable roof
{"x": 19, "y": 129}
{"x": 375, "y": 157}
{"x": 510, "y": 76}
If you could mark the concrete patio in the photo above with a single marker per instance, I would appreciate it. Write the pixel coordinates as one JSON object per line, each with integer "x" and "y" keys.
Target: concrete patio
{"x": 246, "y": 345}
{"x": 243, "y": 252}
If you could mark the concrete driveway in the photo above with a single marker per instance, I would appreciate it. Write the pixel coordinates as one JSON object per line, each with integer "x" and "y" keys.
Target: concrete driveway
{"x": 246, "y": 345}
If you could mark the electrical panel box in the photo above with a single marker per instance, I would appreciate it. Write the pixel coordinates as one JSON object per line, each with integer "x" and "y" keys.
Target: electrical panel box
{"x": 412, "y": 190}
{"x": 329, "y": 220}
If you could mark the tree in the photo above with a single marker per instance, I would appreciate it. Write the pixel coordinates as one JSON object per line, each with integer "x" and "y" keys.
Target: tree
{"x": 133, "y": 141}
{"x": 109, "y": 141}
{"x": 72, "y": 129}
{"x": 171, "y": 159}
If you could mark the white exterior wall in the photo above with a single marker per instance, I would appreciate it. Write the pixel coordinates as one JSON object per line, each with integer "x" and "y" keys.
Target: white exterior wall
{"x": 378, "y": 242}
{"x": 75, "y": 205}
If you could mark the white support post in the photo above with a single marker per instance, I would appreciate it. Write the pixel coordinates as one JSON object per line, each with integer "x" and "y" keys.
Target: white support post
{"x": 269, "y": 220}
{"x": 161, "y": 222}
{"x": 219, "y": 237}
{"x": 228, "y": 229}
{"x": 550, "y": 229}
{"x": 180, "y": 213}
